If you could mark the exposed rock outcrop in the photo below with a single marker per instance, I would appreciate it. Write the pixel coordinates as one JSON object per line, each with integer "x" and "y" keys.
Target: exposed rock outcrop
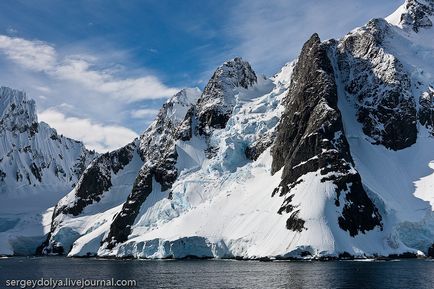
{"x": 96, "y": 180}
{"x": 310, "y": 138}
{"x": 214, "y": 108}
{"x": 431, "y": 251}
{"x": 418, "y": 14}
{"x": 379, "y": 85}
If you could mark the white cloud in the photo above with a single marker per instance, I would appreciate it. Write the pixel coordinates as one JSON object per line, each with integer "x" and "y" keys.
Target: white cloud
{"x": 78, "y": 94}
{"x": 34, "y": 55}
{"x": 42, "y": 88}
{"x": 66, "y": 106}
{"x": 95, "y": 136}
{"x": 144, "y": 113}
{"x": 80, "y": 69}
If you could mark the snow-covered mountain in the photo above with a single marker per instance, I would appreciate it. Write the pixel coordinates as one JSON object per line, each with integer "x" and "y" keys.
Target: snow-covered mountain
{"x": 37, "y": 168}
{"x": 333, "y": 156}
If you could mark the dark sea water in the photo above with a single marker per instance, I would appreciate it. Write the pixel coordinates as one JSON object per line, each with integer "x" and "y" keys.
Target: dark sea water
{"x": 227, "y": 274}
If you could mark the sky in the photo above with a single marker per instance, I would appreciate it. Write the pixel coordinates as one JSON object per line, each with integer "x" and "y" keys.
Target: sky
{"x": 100, "y": 70}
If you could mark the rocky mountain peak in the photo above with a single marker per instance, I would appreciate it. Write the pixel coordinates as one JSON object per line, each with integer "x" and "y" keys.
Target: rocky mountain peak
{"x": 418, "y": 14}
{"x": 381, "y": 93}
{"x": 176, "y": 107}
{"x": 186, "y": 96}
{"x": 17, "y": 113}
{"x": 218, "y": 98}
{"x": 236, "y": 72}
{"x": 414, "y": 14}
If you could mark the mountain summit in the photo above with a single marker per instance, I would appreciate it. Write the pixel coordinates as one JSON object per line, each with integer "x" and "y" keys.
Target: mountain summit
{"x": 413, "y": 14}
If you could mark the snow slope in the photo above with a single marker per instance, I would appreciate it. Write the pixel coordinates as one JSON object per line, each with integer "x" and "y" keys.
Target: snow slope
{"x": 217, "y": 203}
{"x": 37, "y": 168}
{"x": 401, "y": 181}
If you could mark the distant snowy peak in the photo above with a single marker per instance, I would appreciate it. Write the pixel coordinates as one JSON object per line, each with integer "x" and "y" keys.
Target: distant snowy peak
{"x": 36, "y": 163}
{"x": 37, "y": 168}
{"x": 169, "y": 118}
{"x": 283, "y": 77}
{"x": 176, "y": 107}
{"x": 186, "y": 96}
{"x": 17, "y": 113}
{"x": 218, "y": 98}
{"x": 413, "y": 14}
{"x": 235, "y": 72}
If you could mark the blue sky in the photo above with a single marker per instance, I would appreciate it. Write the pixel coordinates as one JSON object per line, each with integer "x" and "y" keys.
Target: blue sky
{"x": 99, "y": 70}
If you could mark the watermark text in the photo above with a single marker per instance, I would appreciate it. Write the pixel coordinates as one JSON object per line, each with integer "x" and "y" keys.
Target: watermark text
{"x": 70, "y": 282}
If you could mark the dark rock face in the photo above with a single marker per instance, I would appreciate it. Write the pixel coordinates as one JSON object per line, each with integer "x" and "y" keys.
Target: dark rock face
{"x": 418, "y": 14}
{"x": 294, "y": 223}
{"x": 185, "y": 130}
{"x": 212, "y": 119}
{"x": 36, "y": 171}
{"x": 359, "y": 214}
{"x": 431, "y": 251}
{"x": 2, "y": 176}
{"x": 310, "y": 138}
{"x": 216, "y": 103}
{"x": 253, "y": 151}
{"x": 380, "y": 87}
{"x": 158, "y": 152}
{"x": 120, "y": 228}
{"x": 97, "y": 179}
{"x": 165, "y": 173}
{"x": 426, "y": 109}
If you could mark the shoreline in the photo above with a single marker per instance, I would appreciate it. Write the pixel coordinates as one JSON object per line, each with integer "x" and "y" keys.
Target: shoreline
{"x": 393, "y": 257}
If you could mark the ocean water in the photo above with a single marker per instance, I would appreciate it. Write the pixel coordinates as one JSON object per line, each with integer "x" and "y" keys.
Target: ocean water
{"x": 225, "y": 273}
